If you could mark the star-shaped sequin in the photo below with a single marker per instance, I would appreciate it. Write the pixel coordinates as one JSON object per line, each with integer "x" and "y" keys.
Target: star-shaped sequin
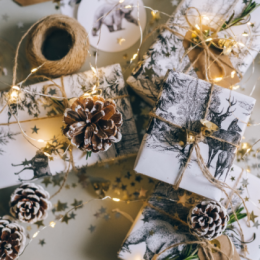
{"x": 128, "y": 175}
{"x": 39, "y": 224}
{"x": 91, "y": 228}
{"x": 138, "y": 178}
{"x": 232, "y": 178}
{"x": 107, "y": 217}
{"x": 42, "y": 242}
{"x": 256, "y": 224}
{"x": 46, "y": 181}
{"x": 245, "y": 182}
{"x": 102, "y": 210}
{"x": 72, "y": 215}
{"x": 52, "y": 91}
{"x": 253, "y": 216}
{"x": 77, "y": 204}
{"x": 35, "y": 130}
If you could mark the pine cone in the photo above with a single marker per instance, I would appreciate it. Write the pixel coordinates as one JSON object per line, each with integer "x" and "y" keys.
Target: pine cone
{"x": 208, "y": 219}
{"x": 93, "y": 123}
{"x": 12, "y": 239}
{"x": 30, "y": 203}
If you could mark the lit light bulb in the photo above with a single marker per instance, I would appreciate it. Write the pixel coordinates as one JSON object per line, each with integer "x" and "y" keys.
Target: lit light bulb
{"x": 245, "y": 34}
{"x": 52, "y": 224}
{"x": 47, "y": 153}
{"x": 121, "y": 1}
{"x": 197, "y": 27}
{"x": 233, "y": 74}
{"x": 128, "y": 6}
{"x": 218, "y": 79}
{"x": 116, "y": 199}
{"x": 40, "y": 141}
{"x": 14, "y": 95}
{"x": 235, "y": 87}
{"x": 241, "y": 44}
{"x": 209, "y": 39}
{"x": 34, "y": 70}
{"x": 15, "y": 87}
{"x": 36, "y": 234}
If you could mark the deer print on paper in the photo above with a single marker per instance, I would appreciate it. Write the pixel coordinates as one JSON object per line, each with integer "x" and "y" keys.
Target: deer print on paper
{"x": 231, "y": 135}
{"x": 39, "y": 164}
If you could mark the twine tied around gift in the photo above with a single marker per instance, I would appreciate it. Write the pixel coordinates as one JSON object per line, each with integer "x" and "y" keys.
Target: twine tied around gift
{"x": 197, "y": 138}
{"x": 209, "y": 46}
{"x": 206, "y": 246}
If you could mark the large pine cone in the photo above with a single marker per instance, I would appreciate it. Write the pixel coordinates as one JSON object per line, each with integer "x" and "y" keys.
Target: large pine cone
{"x": 93, "y": 123}
{"x": 208, "y": 219}
{"x": 12, "y": 239}
{"x": 30, "y": 203}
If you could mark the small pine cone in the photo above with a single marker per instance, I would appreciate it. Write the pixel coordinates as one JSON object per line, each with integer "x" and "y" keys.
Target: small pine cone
{"x": 30, "y": 203}
{"x": 12, "y": 239}
{"x": 208, "y": 219}
{"x": 93, "y": 124}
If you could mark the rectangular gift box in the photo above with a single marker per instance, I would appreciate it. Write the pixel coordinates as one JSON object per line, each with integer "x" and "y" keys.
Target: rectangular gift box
{"x": 154, "y": 231}
{"x": 183, "y": 101}
{"x": 40, "y": 119}
{"x": 156, "y": 228}
{"x": 168, "y": 50}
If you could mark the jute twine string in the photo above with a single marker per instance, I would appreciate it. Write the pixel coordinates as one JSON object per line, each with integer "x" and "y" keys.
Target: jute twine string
{"x": 76, "y": 55}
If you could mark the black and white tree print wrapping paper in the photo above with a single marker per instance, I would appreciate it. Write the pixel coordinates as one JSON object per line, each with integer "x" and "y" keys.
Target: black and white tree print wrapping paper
{"x": 183, "y": 101}
{"x": 153, "y": 232}
{"x": 22, "y": 161}
{"x": 168, "y": 51}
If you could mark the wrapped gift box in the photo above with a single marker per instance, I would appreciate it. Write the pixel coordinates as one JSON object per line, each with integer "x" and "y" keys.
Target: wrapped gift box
{"x": 20, "y": 159}
{"x": 154, "y": 232}
{"x": 182, "y": 101}
{"x": 168, "y": 50}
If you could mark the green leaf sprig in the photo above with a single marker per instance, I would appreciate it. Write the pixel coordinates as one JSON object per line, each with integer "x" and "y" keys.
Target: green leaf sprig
{"x": 243, "y": 18}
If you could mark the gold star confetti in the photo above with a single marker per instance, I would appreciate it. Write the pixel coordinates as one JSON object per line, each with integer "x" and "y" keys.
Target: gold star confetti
{"x": 29, "y": 228}
{"x": 252, "y": 216}
{"x": 232, "y": 178}
{"x": 142, "y": 193}
{"x": 176, "y": 227}
{"x": 120, "y": 40}
{"x": 182, "y": 199}
{"x": 246, "y": 199}
{"x": 67, "y": 186}
{"x": 125, "y": 56}
{"x": 176, "y": 215}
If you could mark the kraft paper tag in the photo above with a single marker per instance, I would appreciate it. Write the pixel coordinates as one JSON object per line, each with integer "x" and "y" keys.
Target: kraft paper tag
{"x": 215, "y": 69}
{"x": 224, "y": 245}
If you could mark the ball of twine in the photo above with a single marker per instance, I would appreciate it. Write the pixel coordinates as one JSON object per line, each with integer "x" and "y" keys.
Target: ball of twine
{"x": 76, "y": 55}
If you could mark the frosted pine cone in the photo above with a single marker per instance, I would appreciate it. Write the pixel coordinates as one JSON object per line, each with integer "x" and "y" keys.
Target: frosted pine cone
{"x": 208, "y": 219}
{"x": 12, "y": 239}
{"x": 30, "y": 203}
{"x": 93, "y": 123}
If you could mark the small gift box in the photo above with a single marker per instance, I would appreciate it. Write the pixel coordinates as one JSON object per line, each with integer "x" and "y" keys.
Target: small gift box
{"x": 160, "y": 231}
{"x": 188, "y": 110}
{"x": 36, "y": 146}
{"x": 178, "y": 47}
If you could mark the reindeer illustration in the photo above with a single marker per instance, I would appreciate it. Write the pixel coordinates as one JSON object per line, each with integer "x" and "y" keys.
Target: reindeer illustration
{"x": 39, "y": 165}
{"x": 226, "y": 157}
{"x": 217, "y": 118}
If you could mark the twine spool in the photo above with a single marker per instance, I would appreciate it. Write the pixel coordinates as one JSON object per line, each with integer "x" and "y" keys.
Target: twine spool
{"x": 73, "y": 54}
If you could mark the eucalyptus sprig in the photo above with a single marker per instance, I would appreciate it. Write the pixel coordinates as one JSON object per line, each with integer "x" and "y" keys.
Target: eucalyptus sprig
{"x": 232, "y": 217}
{"x": 243, "y": 18}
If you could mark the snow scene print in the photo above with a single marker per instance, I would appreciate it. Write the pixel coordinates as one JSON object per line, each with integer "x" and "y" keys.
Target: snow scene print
{"x": 168, "y": 51}
{"x": 183, "y": 101}
{"x": 112, "y": 29}
{"x": 28, "y": 163}
{"x": 153, "y": 232}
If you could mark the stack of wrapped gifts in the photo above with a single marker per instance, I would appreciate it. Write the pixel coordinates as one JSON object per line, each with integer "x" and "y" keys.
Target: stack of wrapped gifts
{"x": 204, "y": 207}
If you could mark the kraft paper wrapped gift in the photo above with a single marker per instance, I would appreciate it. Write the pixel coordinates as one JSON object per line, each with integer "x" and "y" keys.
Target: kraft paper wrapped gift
{"x": 183, "y": 101}
{"x": 20, "y": 160}
{"x": 153, "y": 232}
{"x": 168, "y": 50}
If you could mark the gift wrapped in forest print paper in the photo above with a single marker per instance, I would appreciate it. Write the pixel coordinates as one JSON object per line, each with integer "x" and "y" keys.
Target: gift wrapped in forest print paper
{"x": 154, "y": 230}
{"x": 175, "y": 49}
{"x": 183, "y": 103}
{"x": 41, "y": 118}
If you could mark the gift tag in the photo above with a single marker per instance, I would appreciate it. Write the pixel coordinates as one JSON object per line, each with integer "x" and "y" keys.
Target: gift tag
{"x": 223, "y": 244}
{"x": 115, "y": 28}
